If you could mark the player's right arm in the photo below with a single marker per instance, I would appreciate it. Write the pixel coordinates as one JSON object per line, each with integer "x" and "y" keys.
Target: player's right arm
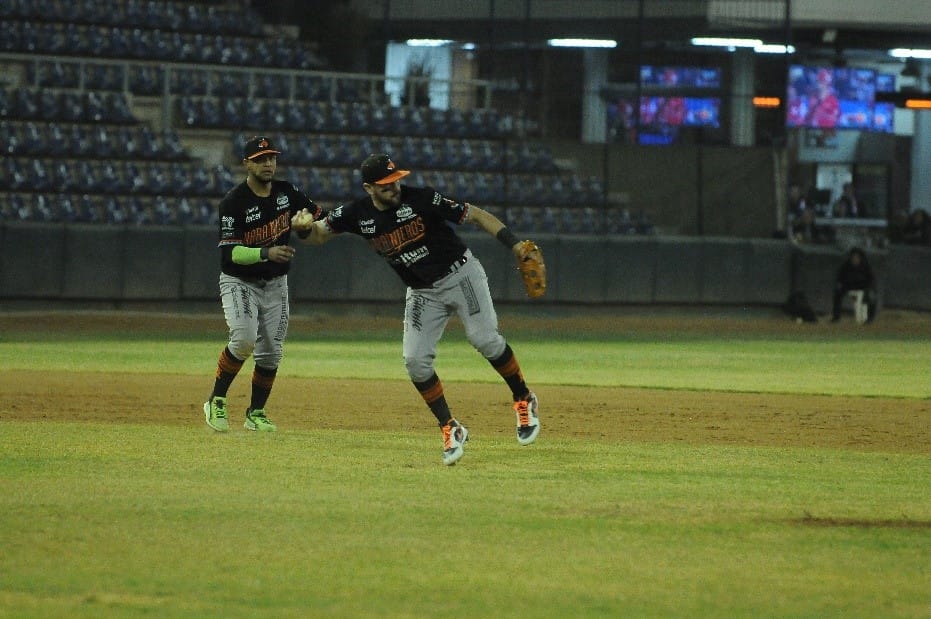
{"x": 313, "y": 232}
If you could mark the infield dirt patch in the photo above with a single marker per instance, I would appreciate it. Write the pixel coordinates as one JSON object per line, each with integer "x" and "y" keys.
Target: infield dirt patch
{"x": 613, "y": 415}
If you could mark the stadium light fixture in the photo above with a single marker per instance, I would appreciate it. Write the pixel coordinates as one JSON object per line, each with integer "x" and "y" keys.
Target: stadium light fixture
{"x": 756, "y": 45}
{"x": 774, "y": 48}
{"x": 730, "y": 44}
{"x": 604, "y": 43}
{"x": 428, "y": 42}
{"x": 901, "y": 52}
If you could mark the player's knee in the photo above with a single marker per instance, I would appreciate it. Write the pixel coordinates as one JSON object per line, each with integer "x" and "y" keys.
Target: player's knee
{"x": 269, "y": 360}
{"x": 419, "y": 369}
{"x": 490, "y": 344}
{"x": 241, "y": 347}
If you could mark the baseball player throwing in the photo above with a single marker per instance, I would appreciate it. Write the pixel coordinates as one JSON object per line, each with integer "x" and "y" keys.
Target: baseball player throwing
{"x": 255, "y": 227}
{"x": 410, "y": 228}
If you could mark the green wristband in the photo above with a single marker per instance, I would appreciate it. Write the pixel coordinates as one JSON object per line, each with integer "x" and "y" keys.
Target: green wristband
{"x": 249, "y": 255}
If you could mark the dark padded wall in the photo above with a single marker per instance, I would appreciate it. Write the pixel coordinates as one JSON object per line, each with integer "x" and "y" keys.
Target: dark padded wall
{"x": 153, "y": 259}
{"x": 33, "y": 260}
{"x": 92, "y": 262}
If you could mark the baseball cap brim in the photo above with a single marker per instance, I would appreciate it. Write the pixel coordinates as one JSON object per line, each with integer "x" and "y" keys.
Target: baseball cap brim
{"x": 394, "y": 176}
{"x": 267, "y": 151}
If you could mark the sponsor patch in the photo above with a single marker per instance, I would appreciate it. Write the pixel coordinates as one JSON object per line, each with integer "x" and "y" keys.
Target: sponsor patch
{"x": 404, "y": 213}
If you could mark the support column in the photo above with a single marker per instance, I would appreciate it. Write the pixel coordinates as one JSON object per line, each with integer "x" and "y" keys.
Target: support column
{"x": 743, "y": 117}
{"x": 594, "y": 108}
{"x": 921, "y": 151}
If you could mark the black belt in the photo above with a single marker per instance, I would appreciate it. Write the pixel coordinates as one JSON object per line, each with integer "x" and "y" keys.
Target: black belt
{"x": 258, "y": 280}
{"x": 458, "y": 263}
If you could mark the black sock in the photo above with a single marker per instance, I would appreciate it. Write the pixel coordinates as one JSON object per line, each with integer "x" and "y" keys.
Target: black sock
{"x": 228, "y": 367}
{"x": 431, "y": 390}
{"x": 262, "y": 381}
{"x": 509, "y": 369}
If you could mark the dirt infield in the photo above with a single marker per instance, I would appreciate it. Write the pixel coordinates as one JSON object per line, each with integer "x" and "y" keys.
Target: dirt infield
{"x": 614, "y": 415}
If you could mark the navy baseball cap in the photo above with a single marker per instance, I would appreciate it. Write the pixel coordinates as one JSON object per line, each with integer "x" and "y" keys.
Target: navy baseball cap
{"x": 257, "y": 146}
{"x": 380, "y": 170}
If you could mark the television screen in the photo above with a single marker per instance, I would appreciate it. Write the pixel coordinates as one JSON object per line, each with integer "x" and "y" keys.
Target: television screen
{"x": 884, "y": 117}
{"x": 658, "y": 138}
{"x": 680, "y": 77}
{"x": 680, "y": 111}
{"x": 830, "y": 97}
{"x": 885, "y": 82}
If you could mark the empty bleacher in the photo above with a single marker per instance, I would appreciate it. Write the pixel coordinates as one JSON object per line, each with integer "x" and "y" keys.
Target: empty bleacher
{"x": 76, "y": 151}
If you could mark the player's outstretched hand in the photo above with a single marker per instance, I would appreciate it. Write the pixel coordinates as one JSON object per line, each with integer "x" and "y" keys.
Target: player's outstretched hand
{"x": 302, "y": 220}
{"x": 281, "y": 253}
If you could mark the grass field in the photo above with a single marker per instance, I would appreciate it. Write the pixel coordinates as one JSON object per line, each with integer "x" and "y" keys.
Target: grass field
{"x": 111, "y": 509}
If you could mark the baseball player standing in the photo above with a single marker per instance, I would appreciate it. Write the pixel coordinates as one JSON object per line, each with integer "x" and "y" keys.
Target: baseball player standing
{"x": 255, "y": 227}
{"x": 410, "y": 228}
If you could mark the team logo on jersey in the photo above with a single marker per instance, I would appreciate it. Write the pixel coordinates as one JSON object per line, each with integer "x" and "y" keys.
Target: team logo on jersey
{"x": 282, "y": 201}
{"x": 253, "y": 213}
{"x": 367, "y": 226}
{"x": 410, "y": 257}
{"x": 404, "y": 213}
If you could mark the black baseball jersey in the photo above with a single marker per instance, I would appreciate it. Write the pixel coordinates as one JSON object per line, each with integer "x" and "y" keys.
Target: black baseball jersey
{"x": 256, "y": 221}
{"x": 416, "y": 239}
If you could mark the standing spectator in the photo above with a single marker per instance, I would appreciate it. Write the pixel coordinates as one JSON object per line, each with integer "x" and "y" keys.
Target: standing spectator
{"x": 855, "y": 274}
{"x": 801, "y": 217}
{"x": 255, "y": 227}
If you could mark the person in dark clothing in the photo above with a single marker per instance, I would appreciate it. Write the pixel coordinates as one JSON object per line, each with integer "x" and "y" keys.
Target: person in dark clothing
{"x": 855, "y": 274}
{"x": 917, "y": 228}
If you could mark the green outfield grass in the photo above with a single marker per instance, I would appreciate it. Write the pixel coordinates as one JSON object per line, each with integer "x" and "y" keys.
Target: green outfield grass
{"x": 848, "y": 365}
{"x": 108, "y": 520}
{"x": 167, "y": 520}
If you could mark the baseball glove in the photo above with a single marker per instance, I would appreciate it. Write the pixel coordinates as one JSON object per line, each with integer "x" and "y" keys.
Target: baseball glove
{"x": 532, "y": 268}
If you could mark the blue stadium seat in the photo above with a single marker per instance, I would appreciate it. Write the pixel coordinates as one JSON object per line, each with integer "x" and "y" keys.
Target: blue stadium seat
{"x": 34, "y": 138}
{"x": 9, "y": 140}
{"x": 80, "y": 141}
{"x": 276, "y": 114}
{"x": 136, "y": 175}
{"x": 38, "y": 175}
{"x": 149, "y": 145}
{"x": 223, "y": 179}
{"x": 66, "y": 179}
{"x": 112, "y": 179}
{"x": 104, "y": 77}
{"x": 105, "y": 146}
{"x": 24, "y": 104}
{"x": 192, "y": 82}
{"x": 337, "y": 118}
{"x": 68, "y": 106}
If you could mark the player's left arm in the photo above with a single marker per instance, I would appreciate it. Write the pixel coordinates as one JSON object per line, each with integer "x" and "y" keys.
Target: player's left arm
{"x": 493, "y": 226}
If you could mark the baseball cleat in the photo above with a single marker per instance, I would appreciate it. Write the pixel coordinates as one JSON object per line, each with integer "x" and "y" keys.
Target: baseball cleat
{"x": 215, "y": 413}
{"x": 528, "y": 424}
{"x": 455, "y": 436}
{"x": 257, "y": 421}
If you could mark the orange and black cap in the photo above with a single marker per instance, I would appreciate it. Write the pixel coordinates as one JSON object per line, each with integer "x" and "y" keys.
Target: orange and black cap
{"x": 258, "y": 146}
{"x": 380, "y": 170}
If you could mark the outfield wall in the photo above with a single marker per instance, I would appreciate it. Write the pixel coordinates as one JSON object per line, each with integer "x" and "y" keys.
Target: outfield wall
{"x": 65, "y": 262}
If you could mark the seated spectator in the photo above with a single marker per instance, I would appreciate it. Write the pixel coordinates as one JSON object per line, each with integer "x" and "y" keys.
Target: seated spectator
{"x": 855, "y": 274}
{"x": 917, "y": 228}
{"x": 847, "y": 204}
